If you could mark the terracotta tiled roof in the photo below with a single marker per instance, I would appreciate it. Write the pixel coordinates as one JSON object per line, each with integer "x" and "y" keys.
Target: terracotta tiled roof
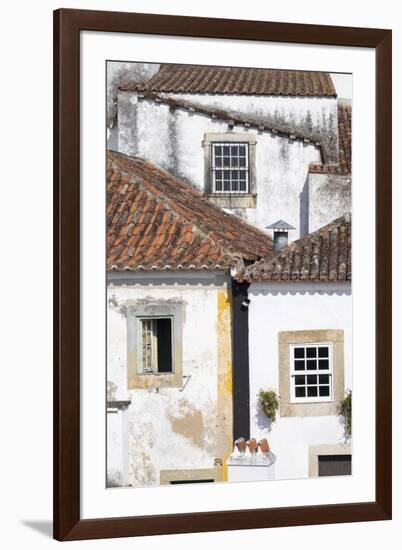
{"x": 345, "y": 146}
{"x": 230, "y": 118}
{"x": 235, "y": 80}
{"x": 324, "y": 255}
{"x": 157, "y": 221}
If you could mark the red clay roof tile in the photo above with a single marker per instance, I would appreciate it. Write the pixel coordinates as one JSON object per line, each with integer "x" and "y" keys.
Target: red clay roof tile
{"x": 157, "y": 221}
{"x": 322, "y": 256}
{"x": 235, "y": 80}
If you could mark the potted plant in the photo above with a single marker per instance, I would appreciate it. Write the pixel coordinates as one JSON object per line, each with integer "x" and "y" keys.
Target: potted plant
{"x": 345, "y": 411}
{"x": 269, "y": 402}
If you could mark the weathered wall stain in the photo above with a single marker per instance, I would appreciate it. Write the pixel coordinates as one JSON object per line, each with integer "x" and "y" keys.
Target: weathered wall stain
{"x": 119, "y": 307}
{"x": 111, "y": 391}
{"x": 188, "y": 422}
{"x": 224, "y": 436}
{"x": 176, "y": 428}
{"x": 142, "y": 464}
{"x": 329, "y": 196}
{"x": 173, "y": 139}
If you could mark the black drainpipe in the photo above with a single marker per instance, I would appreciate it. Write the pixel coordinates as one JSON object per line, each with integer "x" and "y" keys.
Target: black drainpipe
{"x": 240, "y": 373}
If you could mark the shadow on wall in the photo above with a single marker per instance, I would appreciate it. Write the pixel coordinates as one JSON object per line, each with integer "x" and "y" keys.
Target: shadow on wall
{"x": 262, "y": 421}
{"x": 303, "y": 209}
{"x": 346, "y": 437}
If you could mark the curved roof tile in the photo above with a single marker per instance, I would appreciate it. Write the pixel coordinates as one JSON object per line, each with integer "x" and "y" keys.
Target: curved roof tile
{"x": 157, "y": 221}
{"x": 322, "y": 256}
{"x": 235, "y": 80}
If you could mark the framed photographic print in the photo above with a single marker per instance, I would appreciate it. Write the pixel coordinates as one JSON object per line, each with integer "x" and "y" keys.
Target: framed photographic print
{"x": 210, "y": 339}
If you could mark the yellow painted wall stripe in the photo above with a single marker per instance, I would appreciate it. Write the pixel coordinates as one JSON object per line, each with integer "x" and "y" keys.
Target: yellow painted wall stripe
{"x": 225, "y": 396}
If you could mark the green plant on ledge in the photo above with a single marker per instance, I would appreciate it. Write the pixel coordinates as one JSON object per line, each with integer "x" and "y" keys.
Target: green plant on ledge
{"x": 269, "y": 402}
{"x": 345, "y": 410}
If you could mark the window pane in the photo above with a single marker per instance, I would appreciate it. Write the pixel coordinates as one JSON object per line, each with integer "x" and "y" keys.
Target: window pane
{"x": 312, "y": 379}
{"x": 311, "y": 364}
{"x": 323, "y": 363}
{"x": 164, "y": 338}
{"x": 299, "y": 365}
{"x": 300, "y": 380}
{"x": 299, "y": 353}
{"x": 324, "y": 391}
{"x": 148, "y": 351}
{"x": 324, "y": 378}
{"x": 311, "y": 352}
{"x": 230, "y": 157}
{"x": 300, "y": 392}
{"x": 323, "y": 352}
{"x": 312, "y": 391}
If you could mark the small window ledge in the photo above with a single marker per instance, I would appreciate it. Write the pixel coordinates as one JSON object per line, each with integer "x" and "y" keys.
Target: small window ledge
{"x": 120, "y": 405}
{"x": 229, "y": 200}
{"x": 318, "y": 408}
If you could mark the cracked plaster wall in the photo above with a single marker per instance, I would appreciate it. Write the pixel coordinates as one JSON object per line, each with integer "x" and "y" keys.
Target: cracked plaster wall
{"x": 172, "y": 429}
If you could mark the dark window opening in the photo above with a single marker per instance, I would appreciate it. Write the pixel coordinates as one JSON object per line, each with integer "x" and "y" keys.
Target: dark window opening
{"x": 185, "y": 481}
{"x": 164, "y": 338}
{"x": 335, "y": 465}
{"x": 156, "y": 345}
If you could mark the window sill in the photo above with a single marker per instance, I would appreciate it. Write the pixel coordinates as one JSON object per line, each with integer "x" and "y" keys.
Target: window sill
{"x": 228, "y": 200}
{"x": 149, "y": 381}
{"x": 311, "y": 408}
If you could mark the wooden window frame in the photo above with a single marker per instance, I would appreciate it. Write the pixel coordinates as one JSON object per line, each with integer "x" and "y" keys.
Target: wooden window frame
{"x": 228, "y": 199}
{"x": 310, "y": 407}
{"x": 136, "y": 310}
{"x": 306, "y": 372}
{"x": 230, "y": 169}
{"x": 154, "y": 371}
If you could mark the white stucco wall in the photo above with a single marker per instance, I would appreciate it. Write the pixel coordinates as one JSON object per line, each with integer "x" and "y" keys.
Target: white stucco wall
{"x": 117, "y": 447}
{"x": 170, "y": 428}
{"x": 173, "y": 139}
{"x": 311, "y": 115}
{"x": 278, "y": 307}
{"x": 329, "y": 196}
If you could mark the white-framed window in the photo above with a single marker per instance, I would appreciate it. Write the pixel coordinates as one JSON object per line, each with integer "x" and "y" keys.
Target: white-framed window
{"x": 311, "y": 372}
{"x": 230, "y": 167}
{"x": 155, "y": 345}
